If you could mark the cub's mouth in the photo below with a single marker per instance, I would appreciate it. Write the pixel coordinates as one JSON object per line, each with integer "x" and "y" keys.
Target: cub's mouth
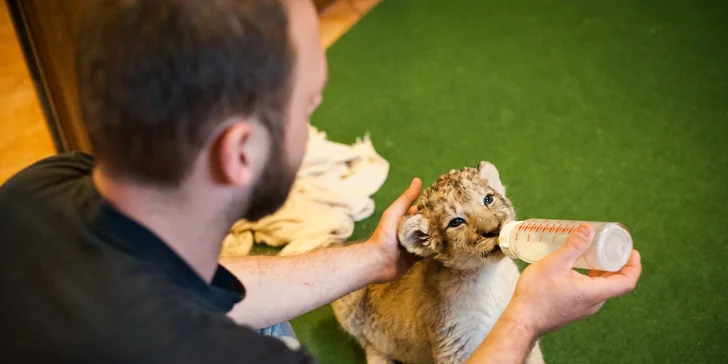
{"x": 494, "y": 251}
{"x": 491, "y": 237}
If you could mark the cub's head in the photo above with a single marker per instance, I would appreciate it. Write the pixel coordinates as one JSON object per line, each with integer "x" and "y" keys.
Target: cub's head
{"x": 458, "y": 218}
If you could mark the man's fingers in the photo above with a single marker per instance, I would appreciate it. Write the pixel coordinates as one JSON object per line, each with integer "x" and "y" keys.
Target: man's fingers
{"x": 412, "y": 210}
{"x": 595, "y": 273}
{"x": 575, "y": 246}
{"x": 631, "y": 271}
{"x": 633, "y": 268}
{"x": 621, "y": 282}
{"x": 600, "y": 273}
{"x": 400, "y": 206}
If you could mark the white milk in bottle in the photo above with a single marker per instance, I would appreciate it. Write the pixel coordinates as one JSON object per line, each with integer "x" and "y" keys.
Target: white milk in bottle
{"x": 534, "y": 239}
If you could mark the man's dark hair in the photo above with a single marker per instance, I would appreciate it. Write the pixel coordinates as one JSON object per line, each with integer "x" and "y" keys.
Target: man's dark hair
{"x": 156, "y": 78}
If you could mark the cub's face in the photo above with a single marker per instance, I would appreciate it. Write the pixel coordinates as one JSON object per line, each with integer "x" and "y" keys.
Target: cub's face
{"x": 459, "y": 218}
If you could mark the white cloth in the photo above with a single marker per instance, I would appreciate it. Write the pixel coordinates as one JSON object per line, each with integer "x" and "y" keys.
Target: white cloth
{"x": 331, "y": 191}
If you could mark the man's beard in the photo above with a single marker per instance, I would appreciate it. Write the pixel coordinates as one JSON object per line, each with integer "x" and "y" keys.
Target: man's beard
{"x": 271, "y": 192}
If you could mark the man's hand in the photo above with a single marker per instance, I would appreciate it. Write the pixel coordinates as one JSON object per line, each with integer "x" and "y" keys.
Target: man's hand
{"x": 395, "y": 261}
{"x": 550, "y": 295}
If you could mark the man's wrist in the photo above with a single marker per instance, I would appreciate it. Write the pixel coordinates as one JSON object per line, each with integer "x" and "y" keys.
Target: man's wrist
{"x": 509, "y": 341}
{"x": 381, "y": 264}
{"x": 516, "y": 318}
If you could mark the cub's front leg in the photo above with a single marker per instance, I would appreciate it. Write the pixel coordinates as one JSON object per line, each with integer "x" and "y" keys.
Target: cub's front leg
{"x": 376, "y": 357}
{"x": 450, "y": 350}
{"x": 447, "y": 359}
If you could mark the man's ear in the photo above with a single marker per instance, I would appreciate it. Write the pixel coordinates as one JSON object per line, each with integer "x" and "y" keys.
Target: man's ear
{"x": 413, "y": 234}
{"x": 490, "y": 174}
{"x": 241, "y": 151}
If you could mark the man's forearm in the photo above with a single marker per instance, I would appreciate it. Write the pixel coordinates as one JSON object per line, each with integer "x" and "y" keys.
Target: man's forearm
{"x": 281, "y": 288}
{"x": 508, "y": 342}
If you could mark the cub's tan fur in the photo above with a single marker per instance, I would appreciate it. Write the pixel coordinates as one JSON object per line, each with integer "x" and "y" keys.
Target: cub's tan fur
{"x": 443, "y": 308}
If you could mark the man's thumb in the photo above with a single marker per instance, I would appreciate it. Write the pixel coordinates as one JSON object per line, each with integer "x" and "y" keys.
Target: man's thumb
{"x": 576, "y": 244}
{"x": 404, "y": 202}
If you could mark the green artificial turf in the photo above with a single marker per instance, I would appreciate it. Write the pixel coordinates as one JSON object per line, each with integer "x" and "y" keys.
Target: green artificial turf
{"x": 613, "y": 110}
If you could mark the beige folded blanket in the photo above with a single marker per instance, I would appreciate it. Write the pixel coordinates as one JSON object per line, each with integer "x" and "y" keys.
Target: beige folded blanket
{"x": 331, "y": 191}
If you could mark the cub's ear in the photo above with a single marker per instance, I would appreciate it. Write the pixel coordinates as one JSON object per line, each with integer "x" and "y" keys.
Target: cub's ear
{"x": 413, "y": 234}
{"x": 490, "y": 174}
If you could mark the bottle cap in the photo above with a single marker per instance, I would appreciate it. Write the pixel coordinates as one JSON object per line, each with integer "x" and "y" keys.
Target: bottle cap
{"x": 614, "y": 247}
{"x": 503, "y": 242}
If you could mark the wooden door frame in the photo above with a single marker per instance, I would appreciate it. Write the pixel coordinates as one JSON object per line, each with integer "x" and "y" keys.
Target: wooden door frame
{"x": 47, "y": 41}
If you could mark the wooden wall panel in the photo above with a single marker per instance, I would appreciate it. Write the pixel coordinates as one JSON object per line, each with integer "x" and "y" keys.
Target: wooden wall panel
{"x": 47, "y": 30}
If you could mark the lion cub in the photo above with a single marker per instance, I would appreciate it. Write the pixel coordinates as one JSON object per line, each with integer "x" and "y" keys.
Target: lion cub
{"x": 443, "y": 308}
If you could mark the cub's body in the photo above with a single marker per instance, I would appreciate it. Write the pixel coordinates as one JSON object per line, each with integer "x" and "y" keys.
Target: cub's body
{"x": 443, "y": 308}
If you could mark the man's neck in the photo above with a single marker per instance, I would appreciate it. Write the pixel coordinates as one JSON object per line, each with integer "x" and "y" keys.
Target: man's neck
{"x": 187, "y": 224}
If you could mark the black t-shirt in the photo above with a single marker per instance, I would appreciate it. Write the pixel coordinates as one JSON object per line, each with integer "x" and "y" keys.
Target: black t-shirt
{"x": 81, "y": 282}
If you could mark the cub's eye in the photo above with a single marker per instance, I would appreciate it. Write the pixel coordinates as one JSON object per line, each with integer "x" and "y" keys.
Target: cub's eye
{"x": 456, "y": 222}
{"x": 488, "y": 199}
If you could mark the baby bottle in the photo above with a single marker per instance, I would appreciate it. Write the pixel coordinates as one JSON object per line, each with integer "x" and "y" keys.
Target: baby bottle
{"x": 534, "y": 239}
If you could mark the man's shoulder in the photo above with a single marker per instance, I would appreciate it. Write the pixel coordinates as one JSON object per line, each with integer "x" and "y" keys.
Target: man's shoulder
{"x": 48, "y": 173}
